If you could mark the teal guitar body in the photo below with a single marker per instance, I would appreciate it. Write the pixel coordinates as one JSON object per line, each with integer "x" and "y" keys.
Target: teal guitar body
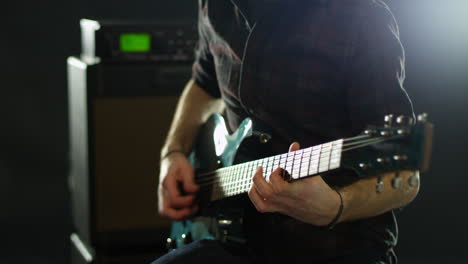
{"x": 215, "y": 148}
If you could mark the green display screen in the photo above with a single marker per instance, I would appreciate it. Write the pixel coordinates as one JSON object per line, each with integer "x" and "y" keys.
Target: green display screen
{"x": 135, "y": 42}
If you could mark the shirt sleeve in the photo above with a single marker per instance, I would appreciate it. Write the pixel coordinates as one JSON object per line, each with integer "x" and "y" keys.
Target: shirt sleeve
{"x": 377, "y": 71}
{"x": 203, "y": 69}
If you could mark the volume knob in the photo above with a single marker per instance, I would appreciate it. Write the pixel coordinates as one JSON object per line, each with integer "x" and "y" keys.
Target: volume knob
{"x": 170, "y": 244}
{"x": 187, "y": 238}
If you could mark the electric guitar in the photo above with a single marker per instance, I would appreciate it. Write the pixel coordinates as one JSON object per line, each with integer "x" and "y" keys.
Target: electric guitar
{"x": 402, "y": 143}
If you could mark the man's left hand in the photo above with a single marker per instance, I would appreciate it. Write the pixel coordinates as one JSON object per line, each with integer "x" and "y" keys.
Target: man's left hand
{"x": 310, "y": 200}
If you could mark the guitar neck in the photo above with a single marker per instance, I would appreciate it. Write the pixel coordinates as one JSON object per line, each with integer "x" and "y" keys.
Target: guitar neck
{"x": 230, "y": 181}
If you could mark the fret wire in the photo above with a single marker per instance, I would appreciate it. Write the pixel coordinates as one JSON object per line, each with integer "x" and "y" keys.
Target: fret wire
{"x": 323, "y": 158}
{"x": 293, "y": 165}
{"x": 264, "y": 165}
{"x": 230, "y": 190}
{"x": 248, "y": 178}
{"x": 233, "y": 182}
{"x": 245, "y": 175}
{"x": 276, "y": 162}
{"x": 304, "y": 158}
{"x": 300, "y": 165}
{"x": 236, "y": 178}
{"x": 231, "y": 174}
{"x": 328, "y": 153}
{"x": 305, "y": 163}
{"x": 297, "y": 165}
{"x": 253, "y": 167}
{"x": 336, "y": 159}
{"x": 233, "y": 179}
{"x": 313, "y": 149}
{"x": 314, "y": 159}
{"x": 242, "y": 176}
{"x": 243, "y": 181}
{"x": 291, "y": 162}
{"x": 298, "y": 152}
{"x": 320, "y": 161}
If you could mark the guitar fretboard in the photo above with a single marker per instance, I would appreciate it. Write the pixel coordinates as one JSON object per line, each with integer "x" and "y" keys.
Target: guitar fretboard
{"x": 234, "y": 180}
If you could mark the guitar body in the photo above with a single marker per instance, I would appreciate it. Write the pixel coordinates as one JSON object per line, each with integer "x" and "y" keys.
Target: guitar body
{"x": 215, "y": 148}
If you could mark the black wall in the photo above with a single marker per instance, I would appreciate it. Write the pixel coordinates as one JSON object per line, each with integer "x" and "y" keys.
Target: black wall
{"x": 37, "y": 36}
{"x": 435, "y": 36}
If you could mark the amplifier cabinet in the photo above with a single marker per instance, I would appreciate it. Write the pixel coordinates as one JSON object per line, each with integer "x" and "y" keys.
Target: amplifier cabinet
{"x": 116, "y": 131}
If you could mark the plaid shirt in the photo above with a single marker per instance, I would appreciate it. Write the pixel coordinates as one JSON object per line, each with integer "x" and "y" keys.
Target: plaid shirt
{"x": 314, "y": 71}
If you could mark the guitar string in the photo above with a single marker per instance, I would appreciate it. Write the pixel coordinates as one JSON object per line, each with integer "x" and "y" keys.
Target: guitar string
{"x": 215, "y": 175}
{"x": 352, "y": 140}
{"x": 242, "y": 185}
{"x": 210, "y": 175}
{"x": 231, "y": 189}
{"x": 374, "y": 142}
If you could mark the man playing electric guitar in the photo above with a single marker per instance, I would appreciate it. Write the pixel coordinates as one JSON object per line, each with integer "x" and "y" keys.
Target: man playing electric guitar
{"x": 312, "y": 71}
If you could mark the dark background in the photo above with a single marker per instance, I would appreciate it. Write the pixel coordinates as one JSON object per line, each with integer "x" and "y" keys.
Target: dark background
{"x": 37, "y": 36}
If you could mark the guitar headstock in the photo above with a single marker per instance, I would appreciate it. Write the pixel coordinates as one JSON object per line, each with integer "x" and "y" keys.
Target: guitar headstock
{"x": 402, "y": 143}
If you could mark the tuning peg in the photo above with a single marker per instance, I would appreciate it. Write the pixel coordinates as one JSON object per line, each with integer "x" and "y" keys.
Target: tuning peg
{"x": 403, "y": 131}
{"x": 388, "y": 119}
{"x": 422, "y": 117}
{"x": 370, "y": 132}
{"x": 383, "y": 160}
{"x": 380, "y": 184}
{"x": 396, "y": 182}
{"x": 413, "y": 180}
{"x": 365, "y": 166}
{"x": 400, "y": 157}
{"x": 385, "y": 133}
{"x": 404, "y": 120}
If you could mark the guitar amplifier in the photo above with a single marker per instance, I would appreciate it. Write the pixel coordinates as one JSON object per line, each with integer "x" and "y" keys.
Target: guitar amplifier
{"x": 119, "y": 114}
{"x": 122, "y": 42}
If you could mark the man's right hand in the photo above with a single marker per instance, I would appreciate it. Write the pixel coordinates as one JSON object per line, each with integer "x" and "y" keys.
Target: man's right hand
{"x": 177, "y": 188}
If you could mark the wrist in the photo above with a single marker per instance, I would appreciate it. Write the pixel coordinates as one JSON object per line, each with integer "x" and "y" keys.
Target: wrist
{"x": 171, "y": 145}
{"x": 170, "y": 152}
{"x": 337, "y": 216}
